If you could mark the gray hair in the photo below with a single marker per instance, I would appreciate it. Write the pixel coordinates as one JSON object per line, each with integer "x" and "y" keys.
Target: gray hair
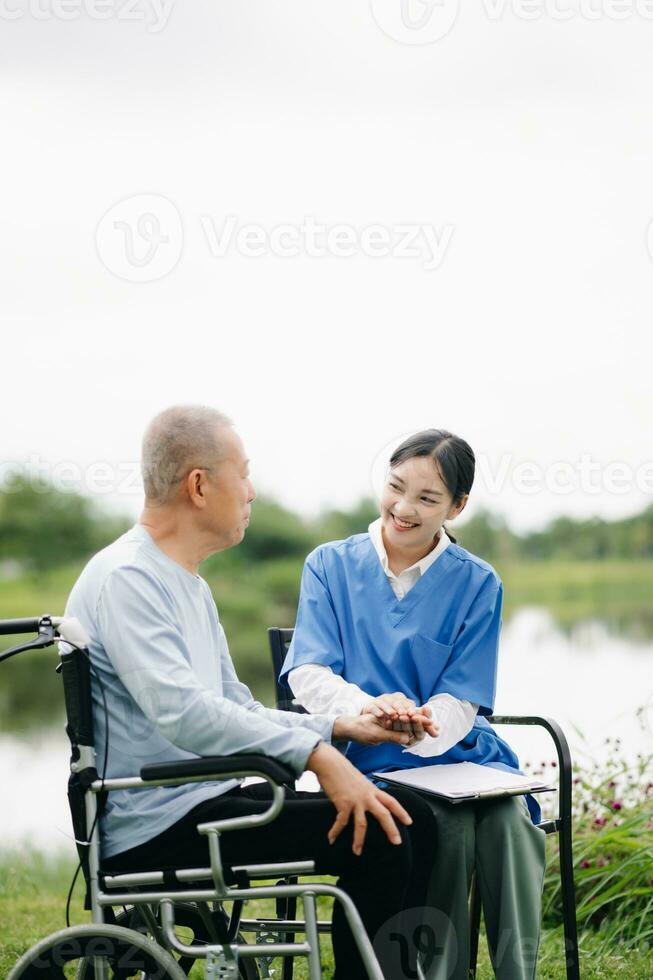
{"x": 176, "y": 441}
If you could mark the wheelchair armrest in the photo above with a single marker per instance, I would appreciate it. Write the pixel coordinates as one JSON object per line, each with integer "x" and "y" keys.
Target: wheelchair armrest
{"x": 551, "y": 726}
{"x": 220, "y": 765}
{"x": 562, "y": 750}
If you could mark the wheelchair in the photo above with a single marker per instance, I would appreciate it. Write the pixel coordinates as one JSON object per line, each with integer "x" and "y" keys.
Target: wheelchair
{"x": 136, "y": 916}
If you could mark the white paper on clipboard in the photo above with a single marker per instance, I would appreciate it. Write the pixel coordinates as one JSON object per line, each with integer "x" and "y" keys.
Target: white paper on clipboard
{"x": 462, "y": 781}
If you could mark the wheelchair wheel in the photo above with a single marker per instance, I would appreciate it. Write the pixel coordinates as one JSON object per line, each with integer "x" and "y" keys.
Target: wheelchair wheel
{"x": 125, "y": 952}
{"x": 187, "y": 916}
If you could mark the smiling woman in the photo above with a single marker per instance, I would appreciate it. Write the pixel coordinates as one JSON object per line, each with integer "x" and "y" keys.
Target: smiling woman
{"x": 431, "y": 475}
{"x": 403, "y": 623}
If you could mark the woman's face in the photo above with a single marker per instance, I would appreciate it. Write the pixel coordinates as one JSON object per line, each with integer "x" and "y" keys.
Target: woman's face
{"x": 414, "y": 504}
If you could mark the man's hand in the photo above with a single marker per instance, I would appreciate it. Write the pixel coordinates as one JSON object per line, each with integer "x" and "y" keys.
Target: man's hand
{"x": 354, "y": 796}
{"x": 399, "y": 713}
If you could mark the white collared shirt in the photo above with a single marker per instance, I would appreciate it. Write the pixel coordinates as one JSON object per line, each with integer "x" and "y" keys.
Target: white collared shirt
{"x": 321, "y": 691}
{"x": 402, "y": 584}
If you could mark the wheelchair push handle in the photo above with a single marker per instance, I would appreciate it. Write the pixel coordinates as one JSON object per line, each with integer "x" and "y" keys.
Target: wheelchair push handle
{"x": 49, "y": 629}
{"x": 11, "y": 627}
{"x": 62, "y": 627}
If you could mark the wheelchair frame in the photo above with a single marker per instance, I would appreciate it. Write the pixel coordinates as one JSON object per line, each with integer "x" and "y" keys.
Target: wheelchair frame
{"x": 140, "y": 889}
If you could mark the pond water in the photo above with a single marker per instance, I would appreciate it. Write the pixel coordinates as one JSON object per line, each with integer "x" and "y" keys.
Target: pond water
{"x": 595, "y": 684}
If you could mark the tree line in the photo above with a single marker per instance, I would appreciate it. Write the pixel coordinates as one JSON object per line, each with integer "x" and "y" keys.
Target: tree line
{"x": 42, "y": 528}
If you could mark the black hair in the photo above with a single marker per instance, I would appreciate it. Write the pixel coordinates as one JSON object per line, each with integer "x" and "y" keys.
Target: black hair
{"x": 453, "y": 457}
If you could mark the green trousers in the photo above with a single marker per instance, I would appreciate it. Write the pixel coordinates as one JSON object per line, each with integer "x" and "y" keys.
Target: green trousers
{"x": 499, "y": 840}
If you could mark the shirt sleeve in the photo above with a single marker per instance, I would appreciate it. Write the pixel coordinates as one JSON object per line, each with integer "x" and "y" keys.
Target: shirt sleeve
{"x": 143, "y": 641}
{"x": 316, "y": 637}
{"x": 321, "y": 691}
{"x": 471, "y": 671}
{"x": 455, "y": 719}
{"x": 235, "y": 690}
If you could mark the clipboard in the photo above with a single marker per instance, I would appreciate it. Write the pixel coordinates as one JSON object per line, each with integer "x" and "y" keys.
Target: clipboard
{"x": 464, "y": 782}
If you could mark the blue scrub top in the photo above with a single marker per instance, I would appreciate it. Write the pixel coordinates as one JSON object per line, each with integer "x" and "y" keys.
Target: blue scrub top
{"x": 441, "y": 638}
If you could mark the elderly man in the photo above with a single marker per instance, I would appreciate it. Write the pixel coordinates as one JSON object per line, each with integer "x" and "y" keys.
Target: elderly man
{"x": 160, "y": 654}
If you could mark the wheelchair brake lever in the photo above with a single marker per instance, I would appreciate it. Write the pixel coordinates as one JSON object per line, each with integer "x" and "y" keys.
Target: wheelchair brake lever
{"x": 47, "y": 636}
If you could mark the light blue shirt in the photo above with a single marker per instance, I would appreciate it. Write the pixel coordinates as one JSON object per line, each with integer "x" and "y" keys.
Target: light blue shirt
{"x": 159, "y": 649}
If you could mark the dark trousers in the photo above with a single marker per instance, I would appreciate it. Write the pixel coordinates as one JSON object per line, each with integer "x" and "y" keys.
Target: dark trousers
{"x": 383, "y": 882}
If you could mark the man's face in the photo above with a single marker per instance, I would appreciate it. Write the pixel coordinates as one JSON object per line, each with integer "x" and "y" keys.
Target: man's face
{"x": 228, "y": 492}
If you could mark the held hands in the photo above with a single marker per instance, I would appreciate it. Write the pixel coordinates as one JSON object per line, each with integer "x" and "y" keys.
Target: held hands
{"x": 397, "y": 713}
{"x": 368, "y": 729}
{"x": 354, "y": 796}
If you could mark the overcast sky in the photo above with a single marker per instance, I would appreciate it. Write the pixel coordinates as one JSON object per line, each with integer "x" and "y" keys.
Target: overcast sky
{"x": 338, "y": 227}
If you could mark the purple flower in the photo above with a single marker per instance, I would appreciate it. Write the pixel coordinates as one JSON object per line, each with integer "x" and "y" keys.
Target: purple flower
{"x": 616, "y": 805}
{"x": 586, "y": 864}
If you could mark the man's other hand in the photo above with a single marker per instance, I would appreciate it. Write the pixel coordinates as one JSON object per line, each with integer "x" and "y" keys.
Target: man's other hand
{"x": 354, "y": 797}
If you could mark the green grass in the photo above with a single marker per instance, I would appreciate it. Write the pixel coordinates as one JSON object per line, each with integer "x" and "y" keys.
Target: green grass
{"x": 33, "y": 893}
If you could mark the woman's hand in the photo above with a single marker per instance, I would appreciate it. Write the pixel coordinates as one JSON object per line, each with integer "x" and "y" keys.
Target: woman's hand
{"x": 394, "y": 706}
{"x": 354, "y": 796}
{"x": 399, "y": 713}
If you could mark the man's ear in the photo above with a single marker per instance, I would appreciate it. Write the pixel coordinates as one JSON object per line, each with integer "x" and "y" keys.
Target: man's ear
{"x": 195, "y": 488}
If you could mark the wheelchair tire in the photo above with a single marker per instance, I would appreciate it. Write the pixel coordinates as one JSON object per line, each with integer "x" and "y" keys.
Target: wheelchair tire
{"x": 128, "y": 953}
{"x": 186, "y": 915}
